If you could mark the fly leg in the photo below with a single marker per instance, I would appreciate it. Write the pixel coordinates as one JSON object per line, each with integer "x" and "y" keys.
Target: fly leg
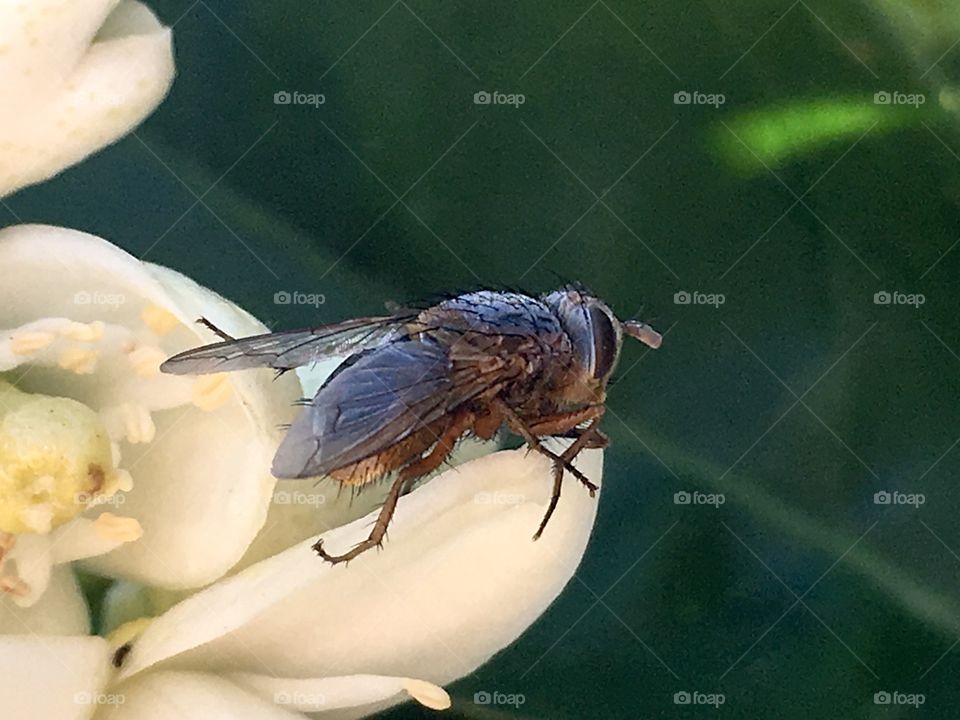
{"x": 375, "y": 539}
{"x": 214, "y": 329}
{"x": 402, "y": 485}
{"x": 564, "y": 460}
{"x": 567, "y": 457}
{"x": 554, "y": 424}
{"x": 560, "y": 426}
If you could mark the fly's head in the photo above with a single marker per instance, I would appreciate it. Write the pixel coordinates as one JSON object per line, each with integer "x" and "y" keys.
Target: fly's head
{"x": 596, "y": 336}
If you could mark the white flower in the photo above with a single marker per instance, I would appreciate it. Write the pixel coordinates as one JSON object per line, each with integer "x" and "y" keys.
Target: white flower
{"x": 459, "y": 580}
{"x": 187, "y": 460}
{"x": 74, "y": 77}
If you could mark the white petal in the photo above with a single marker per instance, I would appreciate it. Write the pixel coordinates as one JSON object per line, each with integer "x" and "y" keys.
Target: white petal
{"x": 61, "y": 610}
{"x": 321, "y": 695}
{"x": 69, "y": 91}
{"x": 303, "y": 509}
{"x": 459, "y": 579}
{"x": 188, "y": 696}
{"x": 202, "y": 487}
{"x": 52, "y": 677}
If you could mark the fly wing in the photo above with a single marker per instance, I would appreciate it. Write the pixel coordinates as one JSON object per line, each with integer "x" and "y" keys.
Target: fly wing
{"x": 289, "y": 349}
{"x": 374, "y": 400}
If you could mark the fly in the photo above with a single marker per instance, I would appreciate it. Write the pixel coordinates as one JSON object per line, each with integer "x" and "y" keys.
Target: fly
{"x": 414, "y": 382}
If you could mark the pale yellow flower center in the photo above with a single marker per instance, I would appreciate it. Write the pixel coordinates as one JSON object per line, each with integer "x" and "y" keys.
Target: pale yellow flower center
{"x": 55, "y": 459}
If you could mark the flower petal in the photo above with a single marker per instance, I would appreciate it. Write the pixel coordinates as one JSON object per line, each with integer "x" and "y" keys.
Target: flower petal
{"x": 52, "y": 676}
{"x": 320, "y": 695}
{"x": 70, "y": 90}
{"x": 60, "y": 611}
{"x": 460, "y": 551}
{"x": 188, "y": 696}
{"x": 202, "y": 487}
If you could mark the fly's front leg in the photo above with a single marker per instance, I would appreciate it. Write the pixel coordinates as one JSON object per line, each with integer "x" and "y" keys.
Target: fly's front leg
{"x": 565, "y": 425}
{"x": 562, "y": 461}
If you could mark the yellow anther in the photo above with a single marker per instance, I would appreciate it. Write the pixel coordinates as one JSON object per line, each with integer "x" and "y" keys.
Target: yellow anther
{"x": 158, "y": 319}
{"x": 427, "y": 694}
{"x": 113, "y": 527}
{"x": 81, "y": 361}
{"x": 83, "y": 332}
{"x": 28, "y": 342}
{"x": 211, "y": 391}
{"x": 146, "y": 360}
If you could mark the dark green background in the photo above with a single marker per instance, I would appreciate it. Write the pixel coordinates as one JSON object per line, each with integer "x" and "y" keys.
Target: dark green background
{"x": 796, "y": 504}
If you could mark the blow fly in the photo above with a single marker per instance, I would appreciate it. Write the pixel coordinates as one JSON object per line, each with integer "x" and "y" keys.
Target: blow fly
{"x": 416, "y": 381}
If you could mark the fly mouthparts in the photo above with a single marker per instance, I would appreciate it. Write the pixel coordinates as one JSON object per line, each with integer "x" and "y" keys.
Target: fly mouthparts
{"x": 643, "y": 332}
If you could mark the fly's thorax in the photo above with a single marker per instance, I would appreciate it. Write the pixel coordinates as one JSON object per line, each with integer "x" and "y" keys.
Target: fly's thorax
{"x": 595, "y": 339}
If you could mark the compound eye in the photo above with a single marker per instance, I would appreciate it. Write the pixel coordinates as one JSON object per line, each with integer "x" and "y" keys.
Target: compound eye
{"x": 606, "y": 343}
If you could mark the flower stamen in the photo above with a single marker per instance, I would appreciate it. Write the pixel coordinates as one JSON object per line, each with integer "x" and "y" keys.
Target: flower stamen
{"x": 27, "y": 343}
{"x": 83, "y": 332}
{"x": 115, "y": 528}
{"x": 82, "y": 361}
{"x": 160, "y": 320}
{"x": 211, "y": 391}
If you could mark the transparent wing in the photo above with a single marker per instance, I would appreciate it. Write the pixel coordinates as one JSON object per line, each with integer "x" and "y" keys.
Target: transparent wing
{"x": 376, "y": 400}
{"x": 289, "y": 349}
{"x": 373, "y": 401}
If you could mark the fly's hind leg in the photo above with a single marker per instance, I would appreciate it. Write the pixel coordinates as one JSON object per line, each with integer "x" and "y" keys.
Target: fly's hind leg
{"x": 375, "y": 539}
{"x": 403, "y": 483}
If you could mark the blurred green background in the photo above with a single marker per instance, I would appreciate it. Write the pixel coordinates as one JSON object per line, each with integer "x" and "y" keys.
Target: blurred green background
{"x": 798, "y": 198}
